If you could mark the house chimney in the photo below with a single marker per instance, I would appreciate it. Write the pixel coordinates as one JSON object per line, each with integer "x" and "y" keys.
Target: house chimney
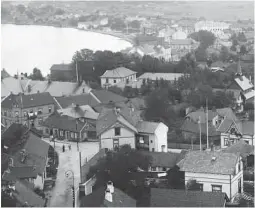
{"x": 110, "y": 186}
{"x": 108, "y": 195}
{"x": 250, "y": 79}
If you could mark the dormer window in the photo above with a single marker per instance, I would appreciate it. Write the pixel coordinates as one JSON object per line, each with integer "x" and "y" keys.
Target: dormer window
{"x": 117, "y": 131}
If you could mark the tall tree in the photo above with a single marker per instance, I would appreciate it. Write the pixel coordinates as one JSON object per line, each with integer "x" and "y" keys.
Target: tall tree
{"x": 118, "y": 165}
{"x": 36, "y": 75}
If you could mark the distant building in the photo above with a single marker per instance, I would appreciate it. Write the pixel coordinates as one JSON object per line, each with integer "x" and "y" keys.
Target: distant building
{"x": 179, "y": 35}
{"x": 183, "y": 44}
{"x": 171, "y": 77}
{"x": 61, "y": 72}
{"x": 211, "y": 26}
{"x": 112, "y": 77}
{"x": 214, "y": 171}
{"x": 30, "y": 110}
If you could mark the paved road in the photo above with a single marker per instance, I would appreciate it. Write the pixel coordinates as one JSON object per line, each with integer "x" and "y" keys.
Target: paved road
{"x": 61, "y": 195}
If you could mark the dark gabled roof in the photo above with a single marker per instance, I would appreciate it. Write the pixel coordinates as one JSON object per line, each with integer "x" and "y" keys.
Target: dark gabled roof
{"x": 97, "y": 199}
{"x": 109, "y": 116}
{"x": 37, "y": 154}
{"x": 66, "y": 123}
{"x": 164, "y": 159}
{"x": 183, "y": 198}
{"x": 83, "y": 99}
{"x": 15, "y": 173}
{"x": 192, "y": 127}
{"x": 4, "y": 74}
{"x": 61, "y": 67}
{"x": 244, "y": 127}
{"x": 241, "y": 148}
{"x": 203, "y": 162}
{"x": 147, "y": 126}
{"x": 106, "y": 96}
{"x": 24, "y": 194}
{"x": 27, "y": 101}
{"x": 12, "y": 135}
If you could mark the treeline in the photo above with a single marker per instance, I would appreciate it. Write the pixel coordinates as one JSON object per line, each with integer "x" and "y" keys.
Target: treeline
{"x": 108, "y": 60}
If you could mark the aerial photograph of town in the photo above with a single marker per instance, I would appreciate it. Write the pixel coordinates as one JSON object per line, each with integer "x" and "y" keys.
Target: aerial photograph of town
{"x": 127, "y": 103}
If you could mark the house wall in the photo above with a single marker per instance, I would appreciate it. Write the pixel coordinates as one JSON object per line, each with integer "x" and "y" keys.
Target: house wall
{"x": 216, "y": 179}
{"x": 18, "y": 115}
{"x": 247, "y": 138}
{"x": 61, "y": 75}
{"x": 39, "y": 182}
{"x": 114, "y": 81}
{"x": 161, "y": 138}
{"x": 126, "y": 137}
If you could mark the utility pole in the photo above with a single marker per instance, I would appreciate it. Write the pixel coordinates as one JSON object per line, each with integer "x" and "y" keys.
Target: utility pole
{"x": 207, "y": 138}
{"x": 80, "y": 167}
{"x": 199, "y": 123}
{"x": 77, "y": 75}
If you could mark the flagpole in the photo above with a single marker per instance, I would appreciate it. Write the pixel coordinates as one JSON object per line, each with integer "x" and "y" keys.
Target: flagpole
{"x": 199, "y": 122}
{"x": 207, "y": 139}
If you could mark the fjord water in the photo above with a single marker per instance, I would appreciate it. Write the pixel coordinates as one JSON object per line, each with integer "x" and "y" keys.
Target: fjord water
{"x": 27, "y": 46}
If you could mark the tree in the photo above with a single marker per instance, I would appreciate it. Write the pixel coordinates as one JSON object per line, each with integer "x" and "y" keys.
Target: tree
{"x": 21, "y": 8}
{"x": 135, "y": 24}
{"x": 224, "y": 54}
{"x": 201, "y": 54}
{"x": 193, "y": 185}
{"x": 117, "y": 166}
{"x": 37, "y": 75}
{"x": 175, "y": 178}
{"x": 243, "y": 49}
{"x": 241, "y": 37}
{"x": 205, "y": 38}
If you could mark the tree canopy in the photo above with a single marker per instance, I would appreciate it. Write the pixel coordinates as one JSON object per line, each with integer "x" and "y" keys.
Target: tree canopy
{"x": 205, "y": 38}
{"x": 117, "y": 165}
{"x": 36, "y": 75}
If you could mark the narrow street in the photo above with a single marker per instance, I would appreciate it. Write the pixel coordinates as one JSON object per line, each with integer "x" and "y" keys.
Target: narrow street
{"x": 61, "y": 195}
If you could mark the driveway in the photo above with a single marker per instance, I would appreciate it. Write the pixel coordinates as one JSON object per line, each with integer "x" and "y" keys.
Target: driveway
{"x": 61, "y": 195}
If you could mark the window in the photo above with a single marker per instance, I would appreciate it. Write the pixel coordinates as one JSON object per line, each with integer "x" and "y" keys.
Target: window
{"x": 153, "y": 168}
{"x": 72, "y": 135}
{"x": 239, "y": 166}
{"x": 49, "y": 109}
{"x": 225, "y": 141}
{"x": 153, "y": 149}
{"x": 247, "y": 142}
{"x": 164, "y": 168}
{"x": 25, "y": 113}
{"x": 40, "y": 120}
{"x": 5, "y": 113}
{"x": 201, "y": 186}
{"x": 47, "y": 131}
{"x": 216, "y": 188}
{"x": 114, "y": 81}
{"x": 117, "y": 131}
{"x": 107, "y": 80}
{"x": 16, "y": 113}
{"x": 61, "y": 133}
{"x": 151, "y": 141}
{"x": 56, "y": 132}
{"x": 115, "y": 144}
{"x": 39, "y": 110}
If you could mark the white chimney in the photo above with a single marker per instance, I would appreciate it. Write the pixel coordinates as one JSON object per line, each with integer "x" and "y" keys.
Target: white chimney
{"x": 108, "y": 195}
{"x": 110, "y": 186}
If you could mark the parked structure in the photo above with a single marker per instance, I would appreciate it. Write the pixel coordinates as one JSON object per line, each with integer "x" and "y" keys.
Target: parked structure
{"x": 214, "y": 171}
{"x": 30, "y": 110}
